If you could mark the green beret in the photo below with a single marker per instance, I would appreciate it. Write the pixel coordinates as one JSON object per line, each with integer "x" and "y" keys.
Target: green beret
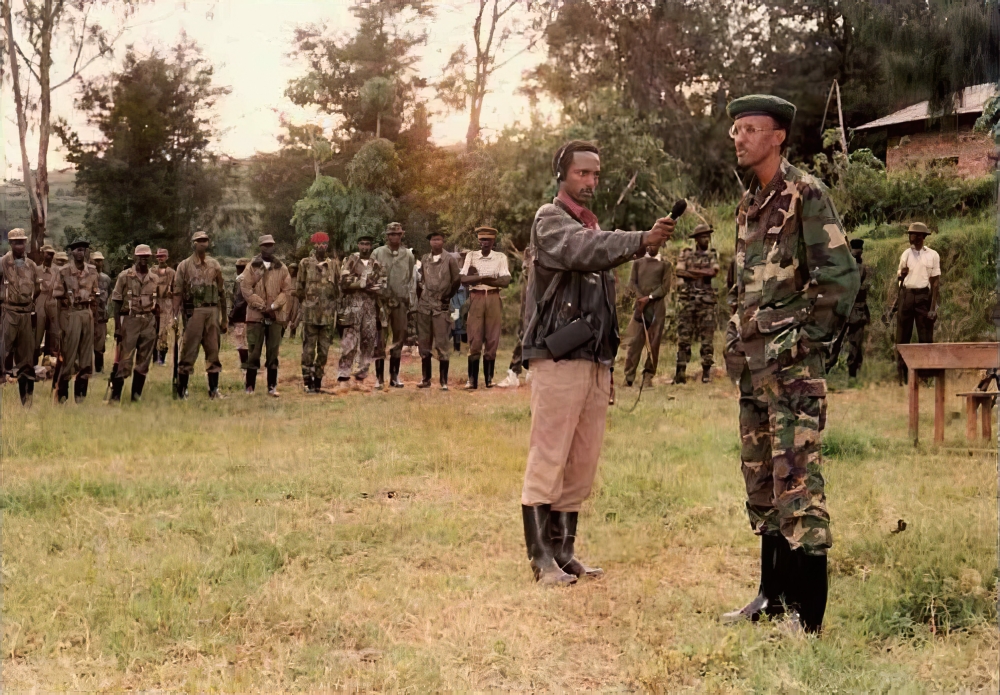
{"x": 762, "y": 105}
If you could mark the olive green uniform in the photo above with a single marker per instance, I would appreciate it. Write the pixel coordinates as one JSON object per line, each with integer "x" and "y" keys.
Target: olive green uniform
{"x": 650, "y": 277}
{"x": 19, "y": 278}
{"x": 200, "y": 286}
{"x": 438, "y": 280}
{"x": 47, "y": 326}
{"x": 141, "y": 300}
{"x": 397, "y": 268}
{"x": 101, "y": 320}
{"x": 317, "y": 288}
{"x": 77, "y": 290}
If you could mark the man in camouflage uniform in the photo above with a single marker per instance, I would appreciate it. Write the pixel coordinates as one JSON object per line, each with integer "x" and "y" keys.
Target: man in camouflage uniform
{"x": 137, "y": 299}
{"x": 100, "y": 311}
{"x": 19, "y": 282}
{"x": 317, "y": 289}
{"x": 860, "y": 316}
{"x": 397, "y": 264}
{"x": 47, "y": 306}
{"x": 650, "y": 281}
{"x": 361, "y": 282}
{"x": 795, "y": 284}
{"x": 437, "y": 281}
{"x": 199, "y": 291}
{"x": 165, "y": 276}
{"x": 77, "y": 290}
{"x": 294, "y": 308}
{"x": 238, "y": 316}
{"x": 696, "y": 266}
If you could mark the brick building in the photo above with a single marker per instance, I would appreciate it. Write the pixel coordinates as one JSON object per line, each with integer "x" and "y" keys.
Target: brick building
{"x": 916, "y": 138}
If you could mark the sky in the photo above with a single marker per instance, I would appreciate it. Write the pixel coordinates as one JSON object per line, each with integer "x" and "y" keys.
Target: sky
{"x": 248, "y": 42}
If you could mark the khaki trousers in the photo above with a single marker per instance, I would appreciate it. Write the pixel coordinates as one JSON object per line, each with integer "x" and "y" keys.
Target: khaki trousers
{"x": 569, "y": 407}
{"x": 47, "y": 324}
{"x": 77, "y": 343}
{"x": 138, "y": 340}
{"x": 19, "y": 341}
{"x": 634, "y": 336}
{"x": 100, "y": 336}
{"x": 483, "y": 325}
{"x": 434, "y": 333}
{"x": 397, "y": 324}
{"x": 201, "y": 330}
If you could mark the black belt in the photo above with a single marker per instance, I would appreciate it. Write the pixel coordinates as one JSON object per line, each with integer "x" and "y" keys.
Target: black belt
{"x": 205, "y": 306}
{"x": 483, "y": 291}
{"x": 921, "y": 290}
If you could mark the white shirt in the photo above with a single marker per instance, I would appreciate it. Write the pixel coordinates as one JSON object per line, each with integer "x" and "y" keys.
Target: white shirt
{"x": 923, "y": 265}
{"x": 492, "y": 266}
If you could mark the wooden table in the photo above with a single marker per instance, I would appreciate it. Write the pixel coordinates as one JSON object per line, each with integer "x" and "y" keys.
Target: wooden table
{"x": 979, "y": 400}
{"x": 932, "y": 359}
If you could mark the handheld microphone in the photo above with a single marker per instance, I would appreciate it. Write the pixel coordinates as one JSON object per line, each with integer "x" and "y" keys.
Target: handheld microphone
{"x": 679, "y": 207}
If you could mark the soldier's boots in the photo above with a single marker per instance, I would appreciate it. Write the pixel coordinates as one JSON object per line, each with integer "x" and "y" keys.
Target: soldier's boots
{"x": 80, "y": 390}
{"x": 473, "y": 382}
{"x": 98, "y": 362}
{"x": 852, "y": 372}
{"x": 138, "y": 381}
{"x": 272, "y": 382}
{"x": 25, "y": 388}
{"x": 117, "y": 384}
{"x": 182, "y": 386}
{"x": 808, "y": 589}
{"x": 680, "y": 376}
{"x": 250, "y": 383}
{"x": 775, "y": 568}
{"x": 540, "y": 552}
{"x": 562, "y": 534}
{"x": 457, "y": 342}
{"x": 244, "y": 356}
{"x": 706, "y": 374}
{"x": 425, "y": 372}
{"x": 647, "y": 380}
{"x": 394, "y": 372}
{"x": 307, "y": 383}
{"x": 443, "y": 368}
{"x": 63, "y": 390}
{"x": 213, "y": 386}
{"x": 379, "y": 375}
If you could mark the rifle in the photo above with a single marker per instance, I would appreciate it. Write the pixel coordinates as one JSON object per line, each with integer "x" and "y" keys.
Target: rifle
{"x": 890, "y": 313}
{"x": 56, "y": 373}
{"x": 114, "y": 367}
{"x": 174, "y": 381}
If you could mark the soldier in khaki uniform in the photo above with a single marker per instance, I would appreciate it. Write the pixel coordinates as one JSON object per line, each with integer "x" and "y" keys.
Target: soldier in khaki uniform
{"x": 78, "y": 291}
{"x": 397, "y": 264}
{"x": 47, "y": 306}
{"x": 438, "y": 280}
{"x": 267, "y": 287}
{"x": 19, "y": 280}
{"x": 165, "y": 276}
{"x": 486, "y": 273}
{"x": 696, "y": 266}
{"x": 199, "y": 289}
{"x": 100, "y": 311}
{"x": 317, "y": 289}
{"x": 650, "y": 281}
{"x": 137, "y": 299}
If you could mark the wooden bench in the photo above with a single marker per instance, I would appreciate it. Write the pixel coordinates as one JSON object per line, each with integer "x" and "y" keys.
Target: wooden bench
{"x": 974, "y": 400}
{"x": 933, "y": 359}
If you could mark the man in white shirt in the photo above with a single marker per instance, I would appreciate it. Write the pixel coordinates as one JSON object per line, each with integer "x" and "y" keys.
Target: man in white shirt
{"x": 918, "y": 275}
{"x": 485, "y": 273}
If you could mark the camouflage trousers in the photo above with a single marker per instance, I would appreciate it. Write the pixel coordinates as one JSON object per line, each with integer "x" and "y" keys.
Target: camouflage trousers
{"x": 696, "y": 322}
{"x": 166, "y": 321}
{"x": 316, "y": 341}
{"x": 781, "y": 425}
{"x": 359, "y": 341}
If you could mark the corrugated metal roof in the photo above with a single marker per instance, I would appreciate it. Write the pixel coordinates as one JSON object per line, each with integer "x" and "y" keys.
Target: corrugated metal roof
{"x": 972, "y": 100}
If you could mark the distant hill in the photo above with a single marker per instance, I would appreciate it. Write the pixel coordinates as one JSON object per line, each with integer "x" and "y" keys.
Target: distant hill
{"x": 66, "y": 209}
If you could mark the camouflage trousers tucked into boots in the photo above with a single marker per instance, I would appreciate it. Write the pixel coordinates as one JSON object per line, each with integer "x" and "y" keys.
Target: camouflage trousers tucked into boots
{"x": 696, "y": 323}
{"x": 781, "y": 425}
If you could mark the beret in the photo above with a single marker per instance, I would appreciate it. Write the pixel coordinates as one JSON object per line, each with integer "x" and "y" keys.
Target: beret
{"x": 78, "y": 243}
{"x": 434, "y": 234}
{"x": 319, "y": 238}
{"x": 857, "y": 244}
{"x": 762, "y": 105}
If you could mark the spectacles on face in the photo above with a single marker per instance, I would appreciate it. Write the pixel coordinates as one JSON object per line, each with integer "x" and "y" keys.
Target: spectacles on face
{"x": 748, "y": 130}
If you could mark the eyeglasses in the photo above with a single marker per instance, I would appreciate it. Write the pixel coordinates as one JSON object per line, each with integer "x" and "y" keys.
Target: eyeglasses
{"x": 748, "y": 130}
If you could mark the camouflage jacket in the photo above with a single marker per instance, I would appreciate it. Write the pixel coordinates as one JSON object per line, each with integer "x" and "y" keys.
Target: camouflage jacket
{"x": 860, "y": 315}
{"x": 795, "y": 276}
{"x": 360, "y": 283}
{"x": 104, "y": 287}
{"x": 696, "y": 290}
{"x": 317, "y": 287}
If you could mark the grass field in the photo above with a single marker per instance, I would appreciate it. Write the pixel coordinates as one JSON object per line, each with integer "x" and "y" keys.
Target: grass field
{"x": 373, "y": 541}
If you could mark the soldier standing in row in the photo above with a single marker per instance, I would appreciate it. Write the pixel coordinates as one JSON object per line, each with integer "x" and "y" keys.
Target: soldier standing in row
{"x": 860, "y": 316}
{"x": 238, "y": 316}
{"x": 19, "y": 282}
{"x": 317, "y": 289}
{"x": 267, "y": 287}
{"x": 361, "y": 281}
{"x": 100, "y": 311}
{"x": 695, "y": 268}
{"x": 438, "y": 280}
{"x": 486, "y": 273}
{"x": 47, "y": 327}
{"x": 397, "y": 266}
{"x": 137, "y": 299}
{"x": 165, "y": 276}
{"x": 650, "y": 281}
{"x": 919, "y": 277}
{"x": 77, "y": 290}
{"x": 795, "y": 284}
{"x": 199, "y": 290}
{"x": 294, "y": 308}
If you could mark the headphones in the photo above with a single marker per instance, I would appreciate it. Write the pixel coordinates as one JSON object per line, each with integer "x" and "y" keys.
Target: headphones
{"x": 556, "y": 163}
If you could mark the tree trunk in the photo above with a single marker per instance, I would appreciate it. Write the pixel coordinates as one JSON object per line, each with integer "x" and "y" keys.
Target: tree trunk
{"x": 39, "y": 226}
{"x": 378, "y": 125}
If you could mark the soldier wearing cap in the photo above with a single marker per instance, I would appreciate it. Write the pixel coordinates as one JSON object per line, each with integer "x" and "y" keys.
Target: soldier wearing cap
{"x": 165, "y": 276}
{"x": 137, "y": 298}
{"x": 47, "y": 327}
{"x": 486, "y": 273}
{"x": 361, "y": 282}
{"x": 200, "y": 291}
{"x": 860, "y": 316}
{"x": 78, "y": 291}
{"x": 397, "y": 263}
{"x": 317, "y": 289}
{"x": 650, "y": 281}
{"x": 918, "y": 275}
{"x": 267, "y": 287}
{"x": 795, "y": 285}
{"x": 100, "y": 311}
{"x": 61, "y": 259}
{"x": 238, "y": 316}
{"x": 19, "y": 282}
{"x": 696, "y": 266}
{"x": 438, "y": 279}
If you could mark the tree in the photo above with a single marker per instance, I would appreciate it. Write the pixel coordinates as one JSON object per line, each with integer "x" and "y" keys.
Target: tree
{"x": 150, "y": 178}
{"x": 378, "y": 96}
{"x": 47, "y": 23}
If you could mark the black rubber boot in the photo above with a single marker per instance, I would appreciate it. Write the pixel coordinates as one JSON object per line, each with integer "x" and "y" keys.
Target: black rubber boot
{"x": 488, "y": 367}
{"x": 307, "y": 383}
{"x": 562, "y": 533}
{"x": 213, "y": 385}
{"x": 394, "y": 372}
{"x": 457, "y": 342}
{"x": 79, "y": 390}
{"x": 543, "y": 563}
{"x": 22, "y": 388}
{"x": 138, "y": 381}
{"x": 31, "y": 393}
{"x": 443, "y": 368}
{"x": 244, "y": 356}
{"x": 706, "y": 375}
{"x": 473, "y": 374}
{"x": 680, "y": 376}
{"x": 808, "y": 587}
{"x": 117, "y": 384}
{"x": 775, "y": 572}
{"x": 98, "y": 362}
{"x": 317, "y": 384}
{"x": 852, "y": 372}
{"x": 182, "y": 386}
{"x": 251, "y": 380}
{"x": 62, "y": 391}
{"x": 425, "y": 372}
{"x": 379, "y": 374}
{"x": 272, "y": 382}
